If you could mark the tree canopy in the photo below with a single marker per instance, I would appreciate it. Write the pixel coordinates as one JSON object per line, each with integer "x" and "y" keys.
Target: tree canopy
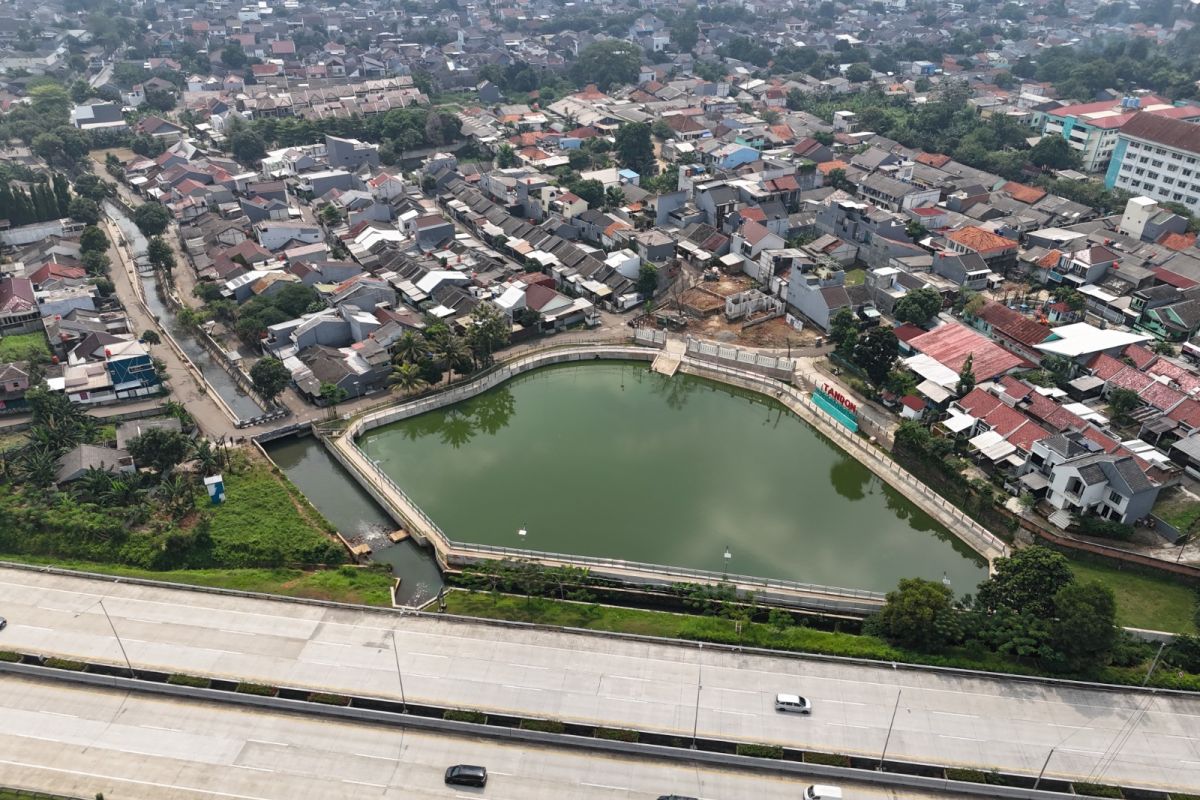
{"x": 918, "y": 306}
{"x": 608, "y": 63}
{"x": 270, "y": 377}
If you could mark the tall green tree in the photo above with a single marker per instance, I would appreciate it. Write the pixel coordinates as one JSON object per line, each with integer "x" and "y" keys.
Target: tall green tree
{"x": 489, "y": 331}
{"x": 920, "y": 614}
{"x": 160, "y": 449}
{"x": 1025, "y": 581}
{"x": 918, "y": 306}
{"x": 966, "y": 376}
{"x": 634, "y": 148}
{"x": 876, "y": 352}
{"x": 151, "y": 218}
{"x": 270, "y": 377}
{"x": 608, "y": 63}
{"x": 843, "y": 331}
{"x": 1084, "y": 631}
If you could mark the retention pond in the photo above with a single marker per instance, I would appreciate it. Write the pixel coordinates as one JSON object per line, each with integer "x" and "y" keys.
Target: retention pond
{"x": 614, "y": 461}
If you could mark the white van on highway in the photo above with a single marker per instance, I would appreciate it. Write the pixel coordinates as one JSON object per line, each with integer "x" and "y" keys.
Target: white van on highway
{"x": 819, "y": 792}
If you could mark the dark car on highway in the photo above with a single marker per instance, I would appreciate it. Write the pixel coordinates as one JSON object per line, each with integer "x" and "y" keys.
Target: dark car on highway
{"x": 466, "y": 775}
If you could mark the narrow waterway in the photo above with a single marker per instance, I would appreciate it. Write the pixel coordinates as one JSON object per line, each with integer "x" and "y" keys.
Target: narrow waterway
{"x": 612, "y": 460}
{"x": 242, "y": 404}
{"x": 355, "y": 514}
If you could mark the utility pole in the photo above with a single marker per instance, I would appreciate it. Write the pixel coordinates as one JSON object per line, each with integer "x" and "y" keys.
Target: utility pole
{"x": 888, "y": 738}
{"x": 696, "y": 718}
{"x": 117, "y": 636}
{"x": 399, "y": 675}
{"x": 1154, "y": 663}
{"x": 1045, "y": 764}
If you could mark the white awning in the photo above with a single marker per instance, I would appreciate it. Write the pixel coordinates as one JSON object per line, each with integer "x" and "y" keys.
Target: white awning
{"x": 957, "y": 422}
{"x": 934, "y": 391}
{"x": 1036, "y": 481}
{"x": 993, "y": 446}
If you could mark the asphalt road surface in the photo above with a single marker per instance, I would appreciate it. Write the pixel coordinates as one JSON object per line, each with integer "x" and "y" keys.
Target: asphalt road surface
{"x": 1096, "y": 734}
{"x": 79, "y": 741}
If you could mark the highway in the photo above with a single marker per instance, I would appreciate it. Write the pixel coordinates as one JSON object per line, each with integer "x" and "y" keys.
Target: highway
{"x": 79, "y": 741}
{"x": 1098, "y": 735}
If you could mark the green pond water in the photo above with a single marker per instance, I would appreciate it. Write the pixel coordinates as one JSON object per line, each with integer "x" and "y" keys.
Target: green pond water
{"x": 610, "y": 459}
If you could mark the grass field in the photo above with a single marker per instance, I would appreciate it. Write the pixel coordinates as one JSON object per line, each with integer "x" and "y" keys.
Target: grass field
{"x": 264, "y": 517}
{"x": 1144, "y": 601}
{"x": 18, "y": 346}
{"x": 854, "y": 277}
{"x": 342, "y": 584}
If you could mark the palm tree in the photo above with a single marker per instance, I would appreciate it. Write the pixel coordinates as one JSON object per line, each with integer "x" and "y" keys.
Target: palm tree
{"x": 124, "y": 491}
{"x": 207, "y": 459}
{"x": 177, "y": 410}
{"x": 410, "y": 348}
{"x": 94, "y": 484}
{"x": 407, "y": 379}
{"x": 178, "y": 494}
{"x": 452, "y": 351}
{"x": 39, "y": 466}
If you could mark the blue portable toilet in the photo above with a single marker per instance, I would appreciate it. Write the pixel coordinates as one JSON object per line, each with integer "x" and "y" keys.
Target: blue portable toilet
{"x": 215, "y": 484}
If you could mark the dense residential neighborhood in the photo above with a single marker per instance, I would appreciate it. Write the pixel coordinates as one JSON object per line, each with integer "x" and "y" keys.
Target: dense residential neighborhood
{"x": 243, "y": 244}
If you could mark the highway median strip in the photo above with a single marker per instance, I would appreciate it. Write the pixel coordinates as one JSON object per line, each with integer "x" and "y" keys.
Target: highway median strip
{"x": 477, "y": 723}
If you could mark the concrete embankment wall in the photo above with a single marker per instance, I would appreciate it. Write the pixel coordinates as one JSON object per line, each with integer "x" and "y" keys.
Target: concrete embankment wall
{"x": 409, "y": 515}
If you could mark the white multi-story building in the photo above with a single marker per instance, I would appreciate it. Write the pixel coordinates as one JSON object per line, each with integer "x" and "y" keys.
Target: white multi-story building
{"x": 1091, "y": 129}
{"x": 1158, "y": 157}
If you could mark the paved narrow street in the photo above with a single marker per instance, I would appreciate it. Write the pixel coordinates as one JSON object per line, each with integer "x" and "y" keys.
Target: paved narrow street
{"x": 184, "y": 379}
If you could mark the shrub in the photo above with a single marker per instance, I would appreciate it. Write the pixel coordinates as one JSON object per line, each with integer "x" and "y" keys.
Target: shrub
{"x": 256, "y": 689}
{"x": 11, "y": 657}
{"x": 329, "y": 699}
{"x": 65, "y": 663}
{"x": 828, "y": 759}
{"x": 176, "y": 679}
{"x": 617, "y": 734}
{"x": 974, "y": 776}
{"x": 760, "y": 750}
{"x": 1097, "y": 790}
{"x": 456, "y": 715}
{"x": 543, "y": 725}
{"x": 1104, "y": 528}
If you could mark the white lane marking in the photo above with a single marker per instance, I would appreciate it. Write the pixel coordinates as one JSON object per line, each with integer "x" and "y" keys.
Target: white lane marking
{"x": 734, "y": 691}
{"x": 60, "y": 714}
{"x": 1191, "y": 762}
{"x": 735, "y": 713}
{"x": 146, "y": 621}
{"x": 956, "y": 714}
{"x": 529, "y": 666}
{"x": 377, "y": 758}
{"x": 331, "y": 644}
{"x": 24, "y": 627}
{"x": 268, "y": 741}
{"x": 621, "y": 699}
{"x": 160, "y": 728}
{"x": 522, "y": 688}
{"x": 364, "y": 783}
{"x": 256, "y": 769}
{"x": 960, "y": 738}
{"x": 1085, "y": 752}
{"x": 606, "y": 786}
{"x": 629, "y": 678}
{"x": 174, "y": 786}
{"x": 849, "y": 725}
{"x": 498, "y": 772}
{"x": 236, "y": 633}
{"x": 844, "y": 702}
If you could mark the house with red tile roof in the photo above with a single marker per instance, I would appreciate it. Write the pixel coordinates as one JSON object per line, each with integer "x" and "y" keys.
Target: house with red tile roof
{"x": 1012, "y": 329}
{"x": 998, "y": 252}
